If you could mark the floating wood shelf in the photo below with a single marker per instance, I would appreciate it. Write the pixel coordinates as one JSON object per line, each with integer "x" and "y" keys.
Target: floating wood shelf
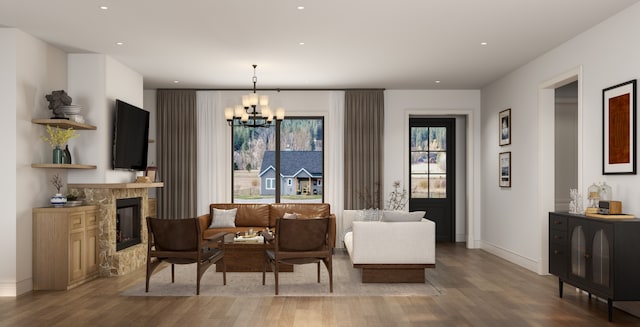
{"x": 63, "y": 123}
{"x": 63, "y": 166}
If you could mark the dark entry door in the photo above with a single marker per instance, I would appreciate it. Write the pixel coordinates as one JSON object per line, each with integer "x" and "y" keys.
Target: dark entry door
{"x": 432, "y": 172}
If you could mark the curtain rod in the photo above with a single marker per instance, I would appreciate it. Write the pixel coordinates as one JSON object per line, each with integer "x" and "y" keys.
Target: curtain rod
{"x": 269, "y": 89}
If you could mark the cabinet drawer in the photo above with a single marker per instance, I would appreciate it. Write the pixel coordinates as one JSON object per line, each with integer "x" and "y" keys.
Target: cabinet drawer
{"x": 557, "y": 222}
{"x": 91, "y": 218}
{"x": 76, "y": 221}
{"x": 558, "y": 260}
{"x": 557, "y": 236}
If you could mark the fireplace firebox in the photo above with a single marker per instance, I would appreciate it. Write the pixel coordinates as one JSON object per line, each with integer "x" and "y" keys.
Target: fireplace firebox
{"x": 128, "y": 222}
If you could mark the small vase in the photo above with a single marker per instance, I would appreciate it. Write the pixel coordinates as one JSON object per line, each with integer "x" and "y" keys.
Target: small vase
{"x": 67, "y": 155}
{"x": 58, "y": 155}
{"x": 58, "y": 200}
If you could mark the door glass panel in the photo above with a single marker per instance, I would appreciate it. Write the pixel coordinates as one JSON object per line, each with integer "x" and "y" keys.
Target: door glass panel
{"x": 428, "y": 162}
{"x": 577, "y": 252}
{"x": 601, "y": 258}
{"x": 437, "y": 138}
{"x": 419, "y": 186}
{"x": 438, "y": 186}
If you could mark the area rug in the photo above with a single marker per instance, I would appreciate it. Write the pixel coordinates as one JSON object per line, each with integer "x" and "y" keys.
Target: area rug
{"x": 302, "y": 282}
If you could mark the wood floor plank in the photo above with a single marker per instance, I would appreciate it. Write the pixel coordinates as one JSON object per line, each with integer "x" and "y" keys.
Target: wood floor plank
{"x": 478, "y": 289}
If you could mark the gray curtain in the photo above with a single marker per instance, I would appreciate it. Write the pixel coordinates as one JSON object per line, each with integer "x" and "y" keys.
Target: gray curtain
{"x": 363, "y": 149}
{"x": 177, "y": 153}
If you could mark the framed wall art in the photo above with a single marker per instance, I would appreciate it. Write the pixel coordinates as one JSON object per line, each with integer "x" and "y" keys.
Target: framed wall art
{"x": 504, "y": 160}
{"x": 619, "y": 129}
{"x": 504, "y": 117}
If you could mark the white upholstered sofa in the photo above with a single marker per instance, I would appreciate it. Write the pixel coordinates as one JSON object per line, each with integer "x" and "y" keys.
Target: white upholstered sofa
{"x": 390, "y": 251}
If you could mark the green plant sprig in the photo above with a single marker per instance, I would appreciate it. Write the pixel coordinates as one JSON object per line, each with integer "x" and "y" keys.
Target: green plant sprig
{"x": 58, "y": 136}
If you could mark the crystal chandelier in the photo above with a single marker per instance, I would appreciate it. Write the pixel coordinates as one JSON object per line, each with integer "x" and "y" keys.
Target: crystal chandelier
{"x": 254, "y": 110}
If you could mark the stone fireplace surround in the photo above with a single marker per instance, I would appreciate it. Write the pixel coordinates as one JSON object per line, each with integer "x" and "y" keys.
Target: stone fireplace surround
{"x": 112, "y": 262}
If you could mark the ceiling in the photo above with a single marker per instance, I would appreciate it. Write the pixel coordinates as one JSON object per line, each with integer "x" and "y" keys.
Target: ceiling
{"x": 399, "y": 44}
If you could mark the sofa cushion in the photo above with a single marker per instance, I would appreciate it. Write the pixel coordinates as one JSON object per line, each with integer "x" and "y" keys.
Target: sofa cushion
{"x": 398, "y": 216}
{"x": 223, "y": 218}
{"x": 302, "y": 210}
{"x": 248, "y": 215}
{"x": 290, "y": 215}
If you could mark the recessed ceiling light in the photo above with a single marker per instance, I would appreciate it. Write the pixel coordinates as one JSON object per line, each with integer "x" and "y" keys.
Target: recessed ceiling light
{"x": 119, "y": 43}
{"x": 483, "y": 43}
{"x": 300, "y": 7}
{"x": 104, "y": 7}
{"x": 176, "y": 82}
{"x": 437, "y": 82}
{"x": 301, "y": 43}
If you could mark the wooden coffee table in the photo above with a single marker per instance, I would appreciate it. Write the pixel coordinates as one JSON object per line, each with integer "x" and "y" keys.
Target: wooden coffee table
{"x": 245, "y": 257}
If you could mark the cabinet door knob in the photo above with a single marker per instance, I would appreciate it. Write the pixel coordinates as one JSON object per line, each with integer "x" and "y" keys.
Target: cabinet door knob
{"x": 557, "y": 237}
{"x": 556, "y": 252}
{"x": 588, "y": 256}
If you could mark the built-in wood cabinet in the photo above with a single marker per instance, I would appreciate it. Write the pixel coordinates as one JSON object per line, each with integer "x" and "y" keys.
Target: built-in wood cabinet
{"x": 597, "y": 255}
{"x": 65, "y": 242}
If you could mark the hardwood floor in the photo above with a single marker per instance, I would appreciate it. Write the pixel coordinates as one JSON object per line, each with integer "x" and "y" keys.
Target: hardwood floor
{"x": 479, "y": 289}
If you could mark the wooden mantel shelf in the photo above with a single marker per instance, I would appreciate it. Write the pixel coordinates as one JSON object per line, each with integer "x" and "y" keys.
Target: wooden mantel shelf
{"x": 118, "y": 185}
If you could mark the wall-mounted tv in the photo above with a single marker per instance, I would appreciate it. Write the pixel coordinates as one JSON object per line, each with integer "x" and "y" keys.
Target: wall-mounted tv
{"x": 130, "y": 137}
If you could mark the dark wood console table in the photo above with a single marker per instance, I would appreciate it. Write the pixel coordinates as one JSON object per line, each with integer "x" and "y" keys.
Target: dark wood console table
{"x": 598, "y": 255}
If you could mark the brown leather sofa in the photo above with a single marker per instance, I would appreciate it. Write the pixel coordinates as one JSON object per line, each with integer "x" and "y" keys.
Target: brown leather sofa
{"x": 260, "y": 216}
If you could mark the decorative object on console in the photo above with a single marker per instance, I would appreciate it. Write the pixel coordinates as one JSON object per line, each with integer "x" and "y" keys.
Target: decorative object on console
{"x": 58, "y": 99}
{"x": 248, "y": 115}
{"x": 58, "y": 200}
{"x": 605, "y": 193}
{"x": 575, "y": 205}
{"x": 610, "y": 208}
{"x": 619, "y": 129}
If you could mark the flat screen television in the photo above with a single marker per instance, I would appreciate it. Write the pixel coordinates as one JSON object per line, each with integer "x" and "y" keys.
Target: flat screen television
{"x": 130, "y": 137}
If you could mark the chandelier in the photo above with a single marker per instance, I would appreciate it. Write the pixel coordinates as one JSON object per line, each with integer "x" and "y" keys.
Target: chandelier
{"x": 254, "y": 110}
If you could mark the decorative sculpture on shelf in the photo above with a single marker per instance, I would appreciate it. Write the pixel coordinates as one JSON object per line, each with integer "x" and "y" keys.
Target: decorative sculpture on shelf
{"x": 57, "y": 99}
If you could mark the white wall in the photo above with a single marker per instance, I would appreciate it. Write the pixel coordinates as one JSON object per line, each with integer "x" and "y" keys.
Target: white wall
{"x": 399, "y": 105}
{"x": 31, "y": 69}
{"x": 515, "y": 220}
{"x": 95, "y": 82}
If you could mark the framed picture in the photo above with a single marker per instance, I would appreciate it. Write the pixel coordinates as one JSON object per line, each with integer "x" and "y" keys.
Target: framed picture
{"x": 619, "y": 129}
{"x": 151, "y": 173}
{"x": 504, "y": 117}
{"x": 504, "y": 160}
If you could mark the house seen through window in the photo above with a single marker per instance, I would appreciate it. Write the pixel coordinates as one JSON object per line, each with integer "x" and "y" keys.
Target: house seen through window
{"x": 298, "y": 172}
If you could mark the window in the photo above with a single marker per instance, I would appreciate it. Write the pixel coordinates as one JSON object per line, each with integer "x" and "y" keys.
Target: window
{"x": 300, "y": 164}
{"x": 270, "y": 184}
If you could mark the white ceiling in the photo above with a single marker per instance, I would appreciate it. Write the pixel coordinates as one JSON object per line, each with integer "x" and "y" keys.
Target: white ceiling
{"x": 399, "y": 44}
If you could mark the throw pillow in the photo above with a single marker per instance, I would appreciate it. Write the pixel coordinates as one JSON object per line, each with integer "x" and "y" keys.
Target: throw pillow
{"x": 368, "y": 215}
{"x": 290, "y": 215}
{"x": 400, "y": 216}
{"x": 223, "y": 218}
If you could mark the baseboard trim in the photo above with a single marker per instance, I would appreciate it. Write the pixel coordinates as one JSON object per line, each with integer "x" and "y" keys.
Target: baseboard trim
{"x": 510, "y": 256}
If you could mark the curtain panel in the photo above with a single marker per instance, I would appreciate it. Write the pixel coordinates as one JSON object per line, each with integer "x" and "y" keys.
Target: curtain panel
{"x": 363, "y": 149}
{"x": 177, "y": 153}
